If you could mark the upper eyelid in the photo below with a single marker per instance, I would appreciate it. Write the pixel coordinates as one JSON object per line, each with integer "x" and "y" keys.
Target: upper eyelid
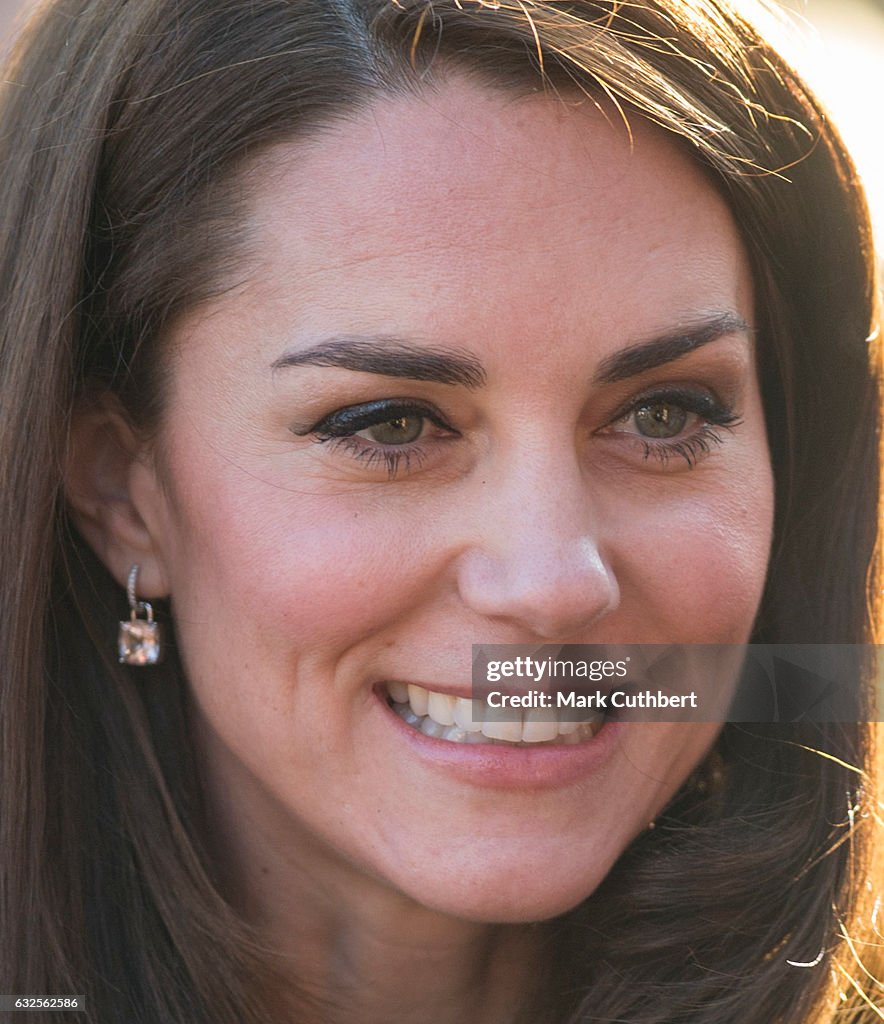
{"x": 381, "y": 410}
{"x": 688, "y": 395}
{"x": 670, "y": 390}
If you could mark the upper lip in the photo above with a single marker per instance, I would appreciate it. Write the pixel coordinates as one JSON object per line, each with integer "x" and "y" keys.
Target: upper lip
{"x": 606, "y": 686}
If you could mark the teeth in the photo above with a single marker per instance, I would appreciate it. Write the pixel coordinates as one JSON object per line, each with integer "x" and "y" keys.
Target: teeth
{"x": 454, "y": 734}
{"x": 398, "y": 691}
{"x": 496, "y": 726}
{"x": 460, "y": 720}
{"x": 463, "y": 715}
{"x": 473, "y": 737}
{"x": 539, "y": 725}
{"x": 430, "y": 728}
{"x": 410, "y": 716}
{"x": 567, "y": 728}
{"x": 441, "y": 708}
{"x": 419, "y": 699}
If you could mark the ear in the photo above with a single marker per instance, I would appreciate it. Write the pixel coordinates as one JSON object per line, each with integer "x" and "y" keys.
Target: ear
{"x": 114, "y": 494}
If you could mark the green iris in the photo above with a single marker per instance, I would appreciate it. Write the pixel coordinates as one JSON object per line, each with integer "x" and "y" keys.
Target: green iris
{"x": 401, "y": 430}
{"x": 660, "y": 419}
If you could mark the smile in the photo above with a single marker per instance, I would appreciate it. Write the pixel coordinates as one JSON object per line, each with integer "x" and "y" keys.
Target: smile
{"x": 461, "y": 720}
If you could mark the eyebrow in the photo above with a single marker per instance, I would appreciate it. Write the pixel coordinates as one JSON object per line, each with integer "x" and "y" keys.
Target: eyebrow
{"x": 390, "y": 357}
{"x": 647, "y": 355}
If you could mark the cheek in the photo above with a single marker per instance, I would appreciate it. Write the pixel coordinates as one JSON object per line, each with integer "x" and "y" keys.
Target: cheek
{"x": 251, "y": 555}
{"x": 695, "y": 564}
{"x": 254, "y": 554}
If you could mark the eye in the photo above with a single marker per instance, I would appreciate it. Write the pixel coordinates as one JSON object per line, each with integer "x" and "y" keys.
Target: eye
{"x": 391, "y": 435}
{"x": 393, "y": 422}
{"x": 666, "y": 413}
{"x": 675, "y": 420}
{"x": 400, "y": 430}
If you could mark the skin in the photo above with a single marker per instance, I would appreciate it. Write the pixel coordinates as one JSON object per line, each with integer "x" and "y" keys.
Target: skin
{"x": 532, "y": 238}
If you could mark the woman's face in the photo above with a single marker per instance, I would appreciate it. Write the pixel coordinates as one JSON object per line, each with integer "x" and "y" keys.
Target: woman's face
{"x": 488, "y": 377}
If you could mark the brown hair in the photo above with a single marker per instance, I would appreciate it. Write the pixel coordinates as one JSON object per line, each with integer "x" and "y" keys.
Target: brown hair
{"x": 124, "y": 127}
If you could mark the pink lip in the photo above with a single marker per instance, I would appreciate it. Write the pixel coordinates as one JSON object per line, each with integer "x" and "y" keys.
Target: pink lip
{"x": 503, "y": 767}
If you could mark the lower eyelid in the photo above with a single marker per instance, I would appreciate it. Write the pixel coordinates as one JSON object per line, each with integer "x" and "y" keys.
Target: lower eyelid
{"x": 373, "y": 456}
{"x": 697, "y": 440}
{"x": 692, "y": 448}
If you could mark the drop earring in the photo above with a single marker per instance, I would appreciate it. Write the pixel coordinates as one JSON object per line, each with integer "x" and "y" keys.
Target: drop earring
{"x": 138, "y": 641}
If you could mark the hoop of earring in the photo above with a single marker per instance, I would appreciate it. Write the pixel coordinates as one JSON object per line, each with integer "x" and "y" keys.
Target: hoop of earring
{"x": 139, "y": 641}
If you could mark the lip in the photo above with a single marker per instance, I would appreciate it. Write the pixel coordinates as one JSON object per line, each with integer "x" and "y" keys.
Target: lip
{"x": 501, "y": 767}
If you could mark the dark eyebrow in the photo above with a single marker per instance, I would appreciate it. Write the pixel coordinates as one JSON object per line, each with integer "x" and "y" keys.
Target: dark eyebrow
{"x": 390, "y": 357}
{"x": 648, "y": 355}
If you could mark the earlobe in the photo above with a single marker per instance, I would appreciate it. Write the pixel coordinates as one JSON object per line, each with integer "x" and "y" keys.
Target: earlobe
{"x": 113, "y": 492}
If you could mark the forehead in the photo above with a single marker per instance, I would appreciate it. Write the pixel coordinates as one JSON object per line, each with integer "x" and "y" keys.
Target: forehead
{"x": 422, "y": 211}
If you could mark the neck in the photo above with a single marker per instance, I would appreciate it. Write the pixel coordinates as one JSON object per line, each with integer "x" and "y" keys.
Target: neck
{"x": 385, "y": 958}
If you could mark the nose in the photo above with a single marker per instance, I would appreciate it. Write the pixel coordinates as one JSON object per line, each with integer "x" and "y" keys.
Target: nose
{"x": 536, "y": 559}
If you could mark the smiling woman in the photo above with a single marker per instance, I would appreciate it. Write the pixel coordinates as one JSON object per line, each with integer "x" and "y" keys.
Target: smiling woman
{"x": 365, "y": 331}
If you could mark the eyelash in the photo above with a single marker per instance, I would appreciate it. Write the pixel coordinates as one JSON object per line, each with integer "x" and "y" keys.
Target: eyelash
{"x": 691, "y": 450}
{"x": 340, "y": 429}
{"x": 716, "y": 416}
{"x": 373, "y": 458}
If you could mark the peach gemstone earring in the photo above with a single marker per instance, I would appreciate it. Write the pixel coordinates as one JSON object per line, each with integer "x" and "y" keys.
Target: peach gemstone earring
{"x": 139, "y": 641}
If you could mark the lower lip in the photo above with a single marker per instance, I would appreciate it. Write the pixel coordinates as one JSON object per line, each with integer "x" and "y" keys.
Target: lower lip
{"x": 510, "y": 767}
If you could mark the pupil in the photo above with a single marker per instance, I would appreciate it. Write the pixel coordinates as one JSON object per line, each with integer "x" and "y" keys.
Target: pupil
{"x": 660, "y": 419}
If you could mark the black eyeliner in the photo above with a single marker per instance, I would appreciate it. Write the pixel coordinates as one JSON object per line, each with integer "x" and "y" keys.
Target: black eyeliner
{"x": 701, "y": 403}
{"x": 354, "y": 418}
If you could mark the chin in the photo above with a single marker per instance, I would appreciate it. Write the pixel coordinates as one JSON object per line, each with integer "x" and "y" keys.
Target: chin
{"x": 509, "y": 895}
{"x": 522, "y": 908}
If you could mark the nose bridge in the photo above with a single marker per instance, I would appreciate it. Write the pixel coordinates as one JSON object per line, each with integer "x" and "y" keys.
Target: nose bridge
{"x": 537, "y": 556}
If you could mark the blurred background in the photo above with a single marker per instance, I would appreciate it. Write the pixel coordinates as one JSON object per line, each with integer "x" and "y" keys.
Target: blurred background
{"x": 837, "y": 44}
{"x": 839, "y": 47}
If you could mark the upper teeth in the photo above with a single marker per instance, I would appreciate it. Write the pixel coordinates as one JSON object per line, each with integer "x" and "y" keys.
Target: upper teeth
{"x": 466, "y": 721}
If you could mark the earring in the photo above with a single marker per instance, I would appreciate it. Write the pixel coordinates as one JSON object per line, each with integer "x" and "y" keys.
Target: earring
{"x": 139, "y": 641}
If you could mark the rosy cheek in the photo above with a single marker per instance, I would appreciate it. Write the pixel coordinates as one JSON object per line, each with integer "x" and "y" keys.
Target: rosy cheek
{"x": 276, "y": 559}
{"x": 700, "y": 565}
